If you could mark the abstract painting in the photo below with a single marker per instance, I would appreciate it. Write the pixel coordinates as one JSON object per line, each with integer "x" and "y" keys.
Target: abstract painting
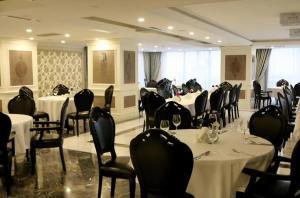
{"x": 104, "y": 66}
{"x": 129, "y": 67}
{"x": 20, "y": 67}
{"x": 235, "y": 67}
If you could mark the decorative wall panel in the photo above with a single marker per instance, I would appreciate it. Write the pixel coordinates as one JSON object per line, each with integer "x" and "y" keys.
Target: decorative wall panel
{"x": 129, "y": 101}
{"x": 235, "y": 67}
{"x": 104, "y": 67}
{"x": 59, "y": 67}
{"x": 243, "y": 94}
{"x": 129, "y": 67}
{"x": 20, "y": 67}
{"x": 100, "y": 101}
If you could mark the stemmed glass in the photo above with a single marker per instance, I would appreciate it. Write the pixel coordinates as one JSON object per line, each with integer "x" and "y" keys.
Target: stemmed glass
{"x": 164, "y": 125}
{"x": 176, "y": 120}
{"x": 243, "y": 128}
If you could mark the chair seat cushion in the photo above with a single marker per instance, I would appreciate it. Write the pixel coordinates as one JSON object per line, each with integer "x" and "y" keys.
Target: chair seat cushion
{"x": 40, "y": 114}
{"x": 81, "y": 115}
{"x": 117, "y": 169}
{"x": 48, "y": 140}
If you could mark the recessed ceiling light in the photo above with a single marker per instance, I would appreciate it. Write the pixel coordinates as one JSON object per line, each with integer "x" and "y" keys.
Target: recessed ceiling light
{"x": 169, "y": 48}
{"x": 219, "y": 41}
{"x": 140, "y": 44}
{"x": 28, "y": 30}
{"x": 170, "y": 27}
{"x": 102, "y": 31}
{"x": 63, "y": 42}
{"x": 155, "y": 46}
{"x": 141, "y": 19}
{"x": 31, "y": 38}
{"x": 67, "y": 35}
{"x": 191, "y": 33}
{"x": 207, "y": 37}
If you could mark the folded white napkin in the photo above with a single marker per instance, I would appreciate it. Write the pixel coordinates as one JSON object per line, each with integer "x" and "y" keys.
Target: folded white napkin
{"x": 202, "y": 135}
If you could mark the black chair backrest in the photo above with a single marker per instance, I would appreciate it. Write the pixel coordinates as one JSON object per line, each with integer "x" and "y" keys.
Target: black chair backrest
{"x": 293, "y": 94}
{"x": 163, "y": 164}
{"x": 283, "y": 105}
{"x": 282, "y": 82}
{"x": 151, "y": 102}
{"x": 297, "y": 89}
{"x": 21, "y": 105}
{"x": 25, "y": 91}
{"x": 200, "y": 103}
{"x": 216, "y": 99}
{"x": 226, "y": 86}
{"x": 232, "y": 94}
{"x": 185, "y": 89}
{"x": 63, "y": 116}
{"x": 102, "y": 127}
{"x": 109, "y": 91}
{"x": 238, "y": 91}
{"x": 60, "y": 89}
{"x": 257, "y": 88}
{"x": 270, "y": 124}
{"x": 143, "y": 92}
{"x": 164, "y": 88}
{"x": 5, "y": 124}
{"x": 166, "y": 112}
{"x": 83, "y": 100}
{"x": 152, "y": 83}
{"x": 288, "y": 96}
{"x": 295, "y": 171}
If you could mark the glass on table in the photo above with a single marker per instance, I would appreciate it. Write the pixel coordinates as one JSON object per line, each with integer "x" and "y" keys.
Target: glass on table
{"x": 243, "y": 128}
{"x": 176, "y": 119}
{"x": 164, "y": 125}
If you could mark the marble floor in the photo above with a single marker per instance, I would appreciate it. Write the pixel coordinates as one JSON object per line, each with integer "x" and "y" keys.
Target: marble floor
{"x": 81, "y": 178}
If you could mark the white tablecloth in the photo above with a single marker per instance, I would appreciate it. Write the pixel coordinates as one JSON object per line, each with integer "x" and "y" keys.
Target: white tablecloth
{"x": 53, "y": 104}
{"x": 151, "y": 89}
{"x": 21, "y": 124}
{"x": 218, "y": 175}
{"x": 275, "y": 90}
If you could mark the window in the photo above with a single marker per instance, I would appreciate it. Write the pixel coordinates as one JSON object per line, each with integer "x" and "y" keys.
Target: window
{"x": 284, "y": 64}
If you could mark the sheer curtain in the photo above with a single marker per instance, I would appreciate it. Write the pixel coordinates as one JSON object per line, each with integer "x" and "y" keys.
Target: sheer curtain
{"x": 284, "y": 63}
{"x": 202, "y": 65}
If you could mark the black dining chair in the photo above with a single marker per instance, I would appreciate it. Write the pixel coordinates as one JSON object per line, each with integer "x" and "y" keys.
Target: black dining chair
{"x": 141, "y": 108}
{"x": 229, "y": 106}
{"x": 108, "y": 95}
{"x": 272, "y": 185}
{"x": 83, "y": 102}
{"x": 200, "y": 108}
{"x": 162, "y": 163}
{"x": 216, "y": 102}
{"x": 151, "y": 102}
{"x": 297, "y": 90}
{"x": 282, "y": 82}
{"x": 260, "y": 95}
{"x": 60, "y": 89}
{"x": 49, "y": 140}
{"x": 102, "y": 127}
{"x": 166, "y": 112}
{"x": 6, "y": 153}
{"x": 270, "y": 123}
{"x": 236, "y": 101}
{"x": 21, "y": 104}
{"x": 27, "y": 92}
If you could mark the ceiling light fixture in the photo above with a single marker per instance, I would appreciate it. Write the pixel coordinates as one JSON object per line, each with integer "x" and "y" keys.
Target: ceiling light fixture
{"x": 191, "y": 33}
{"x": 28, "y": 30}
{"x": 140, "y": 44}
{"x": 31, "y": 38}
{"x": 219, "y": 41}
{"x": 63, "y": 42}
{"x": 67, "y": 35}
{"x": 170, "y": 27}
{"x": 102, "y": 31}
{"x": 207, "y": 37}
{"x": 155, "y": 46}
{"x": 141, "y": 19}
{"x": 169, "y": 48}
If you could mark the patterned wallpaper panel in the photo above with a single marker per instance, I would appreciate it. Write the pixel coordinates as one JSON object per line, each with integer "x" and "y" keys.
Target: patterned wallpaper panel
{"x": 59, "y": 67}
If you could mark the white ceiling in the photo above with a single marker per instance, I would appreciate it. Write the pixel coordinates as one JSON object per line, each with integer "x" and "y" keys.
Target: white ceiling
{"x": 235, "y": 22}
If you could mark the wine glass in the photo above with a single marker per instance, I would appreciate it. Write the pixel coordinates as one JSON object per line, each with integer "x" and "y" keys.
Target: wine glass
{"x": 243, "y": 129}
{"x": 164, "y": 125}
{"x": 176, "y": 120}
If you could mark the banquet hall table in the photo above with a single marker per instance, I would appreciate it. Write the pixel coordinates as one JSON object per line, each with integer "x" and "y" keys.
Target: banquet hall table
{"x": 21, "y": 124}
{"x": 219, "y": 174}
{"x": 53, "y": 104}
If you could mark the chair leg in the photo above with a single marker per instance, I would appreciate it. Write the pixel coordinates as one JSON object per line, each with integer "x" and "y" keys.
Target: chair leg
{"x": 100, "y": 185}
{"x": 113, "y": 185}
{"x": 77, "y": 127}
{"x": 7, "y": 170}
{"x": 62, "y": 158}
{"x": 33, "y": 159}
{"x": 132, "y": 187}
{"x": 229, "y": 120}
{"x": 84, "y": 125}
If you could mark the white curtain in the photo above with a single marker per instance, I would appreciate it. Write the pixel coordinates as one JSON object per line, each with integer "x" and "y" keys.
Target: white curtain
{"x": 284, "y": 64}
{"x": 141, "y": 69}
{"x": 205, "y": 66}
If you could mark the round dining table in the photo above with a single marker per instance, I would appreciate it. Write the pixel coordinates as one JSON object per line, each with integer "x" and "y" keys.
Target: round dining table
{"x": 53, "y": 104}
{"x": 218, "y": 174}
{"x": 21, "y": 125}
